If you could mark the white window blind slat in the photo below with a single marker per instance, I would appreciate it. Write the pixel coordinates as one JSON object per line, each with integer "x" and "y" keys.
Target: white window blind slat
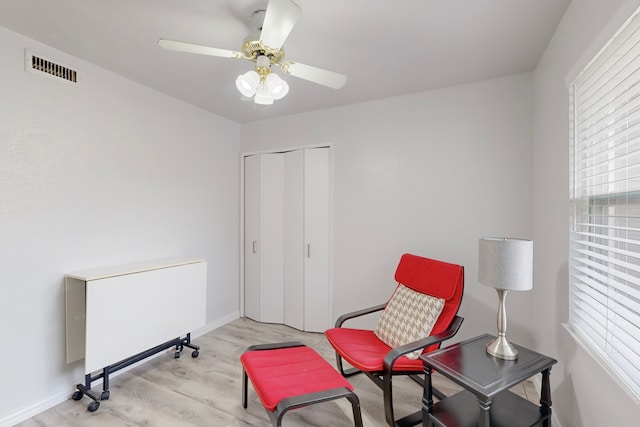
{"x": 615, "y": 85}
{"x": 590, "y": 247}
{"x": 623, "y": 132}
{"x": 610, "y": 261}
{"x": 613, "y": 58}
{"x": 598, "y": 270}
{"x": 596, "y": 280}
{"x": 608, "y": 112}
{"x": 596, "y": 159}
{"x": 604, "y": 258}
{"x": 616, "y": 172}
{"x": 611, "y": 111}
{"x": 625, "y": 141}
{"x": 582, "y": 235}
{"x": 594, "y": 294}
{"x": 588, "y": 324}
{"x": 625, "y": 322}
{"x": 621, "y": 319}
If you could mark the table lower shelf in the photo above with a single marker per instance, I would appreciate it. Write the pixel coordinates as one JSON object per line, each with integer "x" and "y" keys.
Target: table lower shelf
{"x": 507, "y": 410}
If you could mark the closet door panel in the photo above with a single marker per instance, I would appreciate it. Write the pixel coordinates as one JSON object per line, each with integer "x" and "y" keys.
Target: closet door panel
{"x": 294, "y": 239}
{"x": 271, "y": 244}
{"x": 316, "y": 236}
{"x": 251, "y": 236}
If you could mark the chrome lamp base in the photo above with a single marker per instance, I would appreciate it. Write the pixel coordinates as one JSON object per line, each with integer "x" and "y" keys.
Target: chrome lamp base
{"x": 500, "y": 347}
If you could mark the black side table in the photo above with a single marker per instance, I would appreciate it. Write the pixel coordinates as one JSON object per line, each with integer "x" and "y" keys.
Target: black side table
{"x": 486, "y": 400}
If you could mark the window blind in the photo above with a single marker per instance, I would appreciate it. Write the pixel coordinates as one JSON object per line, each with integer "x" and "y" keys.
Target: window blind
{"x": 604, "y": 261}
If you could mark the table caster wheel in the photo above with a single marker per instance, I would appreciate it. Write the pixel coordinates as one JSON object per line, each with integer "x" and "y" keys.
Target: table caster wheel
{"x": 176, "y": 355}
{"x": 77, "y": 395}
{"x": 195, "y": 353}
{"x": 93, "y": 406}
{"x": 104, "y": 395}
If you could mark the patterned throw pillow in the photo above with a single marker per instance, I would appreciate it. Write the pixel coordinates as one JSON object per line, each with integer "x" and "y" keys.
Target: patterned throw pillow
{"x": 409, "y": 316}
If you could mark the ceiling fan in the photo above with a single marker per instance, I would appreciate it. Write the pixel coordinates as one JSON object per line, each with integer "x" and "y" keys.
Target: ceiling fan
{"x": 266, "y": 51}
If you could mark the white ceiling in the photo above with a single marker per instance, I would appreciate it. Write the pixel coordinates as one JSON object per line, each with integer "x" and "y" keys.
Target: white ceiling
{"x": 386, "y": 48}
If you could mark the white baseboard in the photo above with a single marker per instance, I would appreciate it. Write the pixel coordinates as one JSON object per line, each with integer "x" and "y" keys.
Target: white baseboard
{"x": 215, "y": 324}
{"x": 35, "y": 409}
{"x": 63, "y": 395}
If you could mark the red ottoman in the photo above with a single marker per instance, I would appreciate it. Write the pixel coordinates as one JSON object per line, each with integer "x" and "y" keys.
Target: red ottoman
{"x": 291, "y": 375}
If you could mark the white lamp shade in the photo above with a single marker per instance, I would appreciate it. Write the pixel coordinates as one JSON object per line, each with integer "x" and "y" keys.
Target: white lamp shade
{"x": 277, "y": 87}
{"x": 247, "y": 83}
{"x": 506, "y": 263}
{"x": 263, "y": 97}
{"x": 265, "y": 90}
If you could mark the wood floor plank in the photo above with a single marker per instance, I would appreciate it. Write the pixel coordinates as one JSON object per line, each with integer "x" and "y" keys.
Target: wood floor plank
{"x": 206, "y": 391}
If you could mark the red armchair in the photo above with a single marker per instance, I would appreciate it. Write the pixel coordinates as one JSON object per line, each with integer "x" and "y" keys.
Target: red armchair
{"x": 367, "y": 353}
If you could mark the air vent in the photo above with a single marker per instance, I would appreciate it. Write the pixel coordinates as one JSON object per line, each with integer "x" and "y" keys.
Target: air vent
{"x": 38, "y": 64}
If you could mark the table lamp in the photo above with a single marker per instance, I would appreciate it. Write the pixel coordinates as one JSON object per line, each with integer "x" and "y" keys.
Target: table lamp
{"x": 507, "y": 265}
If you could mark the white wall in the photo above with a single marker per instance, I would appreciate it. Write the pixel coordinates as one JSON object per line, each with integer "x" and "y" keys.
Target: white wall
{"x": 428, "y": 173}
{"x": 583, "y": 394}
{"x": 100, "y": 173}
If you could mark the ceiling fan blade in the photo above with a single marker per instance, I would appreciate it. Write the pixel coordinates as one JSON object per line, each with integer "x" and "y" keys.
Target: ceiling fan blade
{"x": 279, "y": 20}
{"x": 196, "y": 48}
{"x": 313, "y": 74}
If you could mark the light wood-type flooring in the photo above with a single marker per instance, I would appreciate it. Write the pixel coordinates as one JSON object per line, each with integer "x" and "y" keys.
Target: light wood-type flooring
{"x": 206, "y": 391}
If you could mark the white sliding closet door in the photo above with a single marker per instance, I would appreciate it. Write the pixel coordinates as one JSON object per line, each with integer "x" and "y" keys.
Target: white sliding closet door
{"x": 264, "y": 238}
{"x": 294, "y": 239}
{"x": 286, "y": 246}
{"x": 271, "y": 245}
{"x": 251, "y": 237}
{"x": 316, "y": 237}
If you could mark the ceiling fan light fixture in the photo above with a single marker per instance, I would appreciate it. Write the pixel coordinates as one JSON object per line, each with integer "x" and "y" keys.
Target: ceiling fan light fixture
{"x": 264, "y": 48}
{"x": 262, "y": 85}
{"x": 248, "y": 83}
{"x": 263, "y": 95}
{"x": 276, "y": 86}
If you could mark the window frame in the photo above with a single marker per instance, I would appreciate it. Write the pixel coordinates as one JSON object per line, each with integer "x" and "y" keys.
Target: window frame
{"x": 595, "y": 255}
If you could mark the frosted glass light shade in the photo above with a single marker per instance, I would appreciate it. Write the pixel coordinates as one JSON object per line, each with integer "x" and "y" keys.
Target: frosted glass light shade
{"x": 264, "y": 90}
{"x": 247, "y": 83}
{"x": 506, "y": 263}
{"x": 263, "y": 96}
{"x": 277, "y": 87}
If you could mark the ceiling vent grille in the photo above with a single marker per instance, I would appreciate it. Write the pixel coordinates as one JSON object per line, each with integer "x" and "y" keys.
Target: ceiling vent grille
{"x": 38, "y": 64}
